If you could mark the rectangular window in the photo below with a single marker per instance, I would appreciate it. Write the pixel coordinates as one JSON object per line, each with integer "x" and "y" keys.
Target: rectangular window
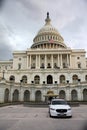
{"x": 19, "y": 66}
{"x": 79, "y": 65}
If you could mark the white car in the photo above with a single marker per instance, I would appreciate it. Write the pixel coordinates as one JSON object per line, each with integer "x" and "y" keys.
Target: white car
{"x": 59, "y": 108}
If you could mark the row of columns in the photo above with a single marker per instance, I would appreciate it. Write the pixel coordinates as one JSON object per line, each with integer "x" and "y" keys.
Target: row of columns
{"x": 37, "y": 60}
{"x": 50, "y": 45}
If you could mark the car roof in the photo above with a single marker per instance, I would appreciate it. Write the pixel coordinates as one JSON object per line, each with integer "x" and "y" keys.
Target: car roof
{"x": 58, "y": 99}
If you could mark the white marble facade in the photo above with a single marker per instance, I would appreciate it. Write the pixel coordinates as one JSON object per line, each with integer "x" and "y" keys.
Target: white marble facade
{"x": 48, "y": 65}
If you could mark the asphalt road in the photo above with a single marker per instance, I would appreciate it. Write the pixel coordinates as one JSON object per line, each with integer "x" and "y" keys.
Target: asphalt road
{"x": 19, "y": 117}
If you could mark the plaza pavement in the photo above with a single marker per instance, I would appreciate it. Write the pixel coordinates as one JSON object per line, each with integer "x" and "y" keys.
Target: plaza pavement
{"x": 19, "y": 117}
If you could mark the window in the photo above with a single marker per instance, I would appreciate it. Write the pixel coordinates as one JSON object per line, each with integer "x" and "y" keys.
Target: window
{"x": 62, "y": 79}
{"x": 37, "y": 79}
{"x": 59, "y": 102}
{"x": 12, "y": 78}
{"x": 49, "y": 79}
{"x": 79, "y": 65}
{"x": 75, "y": 78}
{"x": 19, "y": 66}
{"x": 33, "y": 66}
{"x": 42, "y": 65}
{"x": 55, "y": 65}
{"x": 24, "y": 79}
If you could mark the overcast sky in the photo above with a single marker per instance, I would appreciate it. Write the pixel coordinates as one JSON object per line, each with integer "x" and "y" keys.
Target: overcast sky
{"x": 20, "y": 20}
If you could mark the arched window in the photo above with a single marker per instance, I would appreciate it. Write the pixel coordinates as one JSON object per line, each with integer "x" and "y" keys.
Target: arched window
{"x": 6, "y": 95}
{"x": 75, "y": 79}
{"x": 24, "y": 79}
{"x": 12, "y": 78}
{"x": 37, "y": 79}
{"x": 49, "y": 79}
{"x": 62, "y": 79}
{"x": 62, "y": 94}
{"x": 38, "y": 95}
{"x": 85, "y": 94}
{"x": 74, "y": 95}
{"x": 26, "y": 96}
{"x": 16, "y": 95}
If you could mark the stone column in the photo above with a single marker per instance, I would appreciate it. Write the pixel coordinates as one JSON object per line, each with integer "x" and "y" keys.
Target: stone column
{"x": 21, "y": 93}
{"x": 27, "y": 61}
{"x": 45, "y": 61}
{"x": 61, "y": 61}
{"x": 52, "y": 60}
{"x": 58, "y": 61}
{"x": 32, "y": 95}
{"x": 70, "y": 60}
{"x": 68, "y": 95}
{"x": 2, "y": 93}
{"x": 79, "y": 94}
{"x": 67, "y": 60}
{"x": 36, "y": 62}
{"x": 39, "y": 62}
{"x": 53, "y": 46}
{"x": 43, "y": 97}
{"x": 11, "y": 92}
{"x": 30, "y": 61}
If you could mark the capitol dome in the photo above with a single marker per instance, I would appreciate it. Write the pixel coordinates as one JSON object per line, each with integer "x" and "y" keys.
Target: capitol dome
{"x": 48, "y": 37}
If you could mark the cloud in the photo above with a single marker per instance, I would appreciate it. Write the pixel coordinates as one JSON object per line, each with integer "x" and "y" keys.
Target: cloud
{"x": 5, "y": 46}
{"x": 5, "y": 51}
{"x": 22, "y": 20}
{"x": 2, "y": 3}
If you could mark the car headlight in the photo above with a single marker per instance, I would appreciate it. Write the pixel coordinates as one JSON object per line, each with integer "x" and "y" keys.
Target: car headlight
{"x": 52, "y": 109}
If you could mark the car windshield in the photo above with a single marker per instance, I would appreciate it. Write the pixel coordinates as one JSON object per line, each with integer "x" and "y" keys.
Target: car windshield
{"x": 59, "y": 103}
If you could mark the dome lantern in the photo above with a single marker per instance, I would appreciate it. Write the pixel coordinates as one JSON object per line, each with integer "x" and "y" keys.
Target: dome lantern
{"x": 47, "y": 20}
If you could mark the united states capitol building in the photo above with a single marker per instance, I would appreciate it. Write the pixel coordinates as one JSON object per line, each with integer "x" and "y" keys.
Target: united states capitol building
{"x": 45, "y": 70}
